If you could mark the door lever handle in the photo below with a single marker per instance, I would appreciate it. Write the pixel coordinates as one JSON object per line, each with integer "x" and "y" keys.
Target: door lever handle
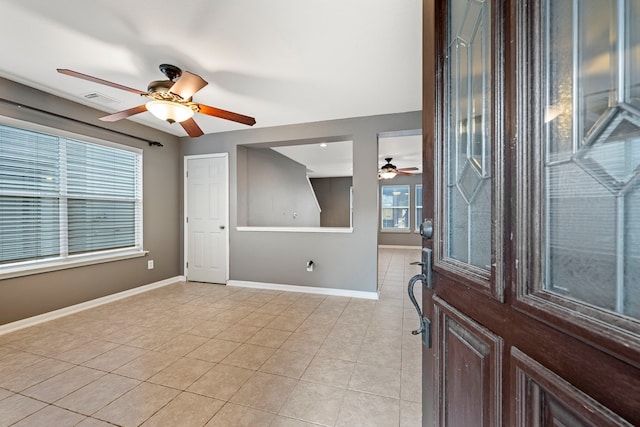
{"x": 425, "y": 323}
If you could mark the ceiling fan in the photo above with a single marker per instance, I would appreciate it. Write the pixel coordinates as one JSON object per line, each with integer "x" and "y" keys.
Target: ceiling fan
{"x": 170, "y": 100}
{"x": 389, "y": 171}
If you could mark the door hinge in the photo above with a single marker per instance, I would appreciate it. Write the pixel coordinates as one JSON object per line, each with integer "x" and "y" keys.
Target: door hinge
{"x": 187, "y": 264}
{"x": 187, "y": 220}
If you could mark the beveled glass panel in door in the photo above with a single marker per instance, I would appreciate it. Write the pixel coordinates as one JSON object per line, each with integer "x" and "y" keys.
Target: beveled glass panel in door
{"x": 591, "y": 171}
{"x": 467, "y": 139}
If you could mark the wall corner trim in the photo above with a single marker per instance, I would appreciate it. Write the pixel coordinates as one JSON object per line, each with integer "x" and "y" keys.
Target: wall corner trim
{"x": 45, "y": 317}
{"x": 305, "y": 289}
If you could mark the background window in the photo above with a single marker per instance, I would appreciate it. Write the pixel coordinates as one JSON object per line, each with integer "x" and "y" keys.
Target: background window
{"x": 61, "y": 197}
{"x": 418, "y": 206}
{"x": 395, "y": 207}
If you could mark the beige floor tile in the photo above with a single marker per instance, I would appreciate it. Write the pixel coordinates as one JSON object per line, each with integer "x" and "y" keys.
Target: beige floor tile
{"x": 410, "y": 414}
{"x": 96, "y": 395}
{"x": 281, "y": 421}
{"x": 376, "y": 379}
{"x": 17, "y": 407}
{"x": 286, "y": 323}
{"x": 315, "y": 403}
{"x": 113, "y": 359}
{"x": 249, "y": 356}
{"x": 87, "y": 351}
{"x": 92, "y": 422}
{"x": 411, "y": 385}
{"x": 340, "y": 348}
{"x": 257, "y": 319}
{"x": 51, "y": 416}
{"x": 238, "y": 333}
{"x": 181, "y": 373}
{"x": 209, "y": 328}
{"x": 333, "y": 372}
{"x": 269, "y": 338}
{"x": 33, "y": 374}
{"x": 368, "y": 410}
{"x": 303, "y": 343}
{"x": 287, "y": 363}
{"x": 214, "y": 350}
{"x": 152, "y": 340}
{"x": 186, "y": 410}
{"x": 146, "y": 365}
{"x": 386, "y": 354}
{"x": 137, "y": 405}
{"x": 14, "y": 360}
{"x": 273, "y": 308}
{"x": 240, "y": 416}
{"x": 62, "y": 384}
{"x": 317, "y": 329}
{"x": 264, "y": 391}
{"x": 182, "y": 344}
{"x": 221, "y": 381}
{"x": 53, "y": 342}
{"x": 5, "y": 393}
{"x": 231, "y": 316}
{"x": 127, "y": 334}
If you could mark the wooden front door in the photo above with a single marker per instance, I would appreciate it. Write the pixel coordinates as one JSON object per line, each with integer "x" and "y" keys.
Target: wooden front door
{"x": 532, "y": 179}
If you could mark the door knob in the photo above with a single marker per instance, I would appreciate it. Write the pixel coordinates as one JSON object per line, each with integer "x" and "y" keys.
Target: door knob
{"x": 221, "y": 227}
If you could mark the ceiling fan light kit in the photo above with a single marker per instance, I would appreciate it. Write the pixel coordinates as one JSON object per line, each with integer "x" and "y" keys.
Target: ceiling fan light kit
{"x": 169, "y": 111}
{"x": 386, "y": 174}
{"x": 170, "y": 99}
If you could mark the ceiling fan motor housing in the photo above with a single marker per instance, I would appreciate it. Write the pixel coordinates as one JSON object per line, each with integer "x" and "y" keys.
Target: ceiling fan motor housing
{"x": 172, "y": 72}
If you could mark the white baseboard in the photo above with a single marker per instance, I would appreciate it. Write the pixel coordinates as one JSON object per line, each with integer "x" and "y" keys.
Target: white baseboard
{"x": 304, "y": 289}
{"x": 399, "y": 247}
{"x": 34, "y": 320}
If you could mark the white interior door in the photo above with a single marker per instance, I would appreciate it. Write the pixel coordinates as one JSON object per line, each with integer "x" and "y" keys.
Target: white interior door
{"x": 206, "y": 218}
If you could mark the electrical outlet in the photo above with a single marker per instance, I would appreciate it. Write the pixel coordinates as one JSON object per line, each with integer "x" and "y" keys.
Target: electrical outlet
{"x": 150, "y": 264}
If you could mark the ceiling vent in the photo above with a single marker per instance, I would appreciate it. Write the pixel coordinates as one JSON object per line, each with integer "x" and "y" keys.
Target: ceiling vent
{"x": 100, "y": 98}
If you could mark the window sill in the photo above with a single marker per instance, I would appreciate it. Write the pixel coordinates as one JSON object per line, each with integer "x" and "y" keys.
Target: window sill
{"x": 298, "y": 229}
{"x": 396, "y": 230}
{"x": 37, "y": 267}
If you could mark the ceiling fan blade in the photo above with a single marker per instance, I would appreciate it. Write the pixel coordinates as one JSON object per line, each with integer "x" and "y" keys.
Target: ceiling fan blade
{"x": 187, "y": 85}
{"x": 192, "y": 128}
{"x": 124, "y": 114}
{"x": 401, "y": 172}
{"x": 227, "y": 115}
{"x": 97, "y": 80}
{"x": 408, "y": 169}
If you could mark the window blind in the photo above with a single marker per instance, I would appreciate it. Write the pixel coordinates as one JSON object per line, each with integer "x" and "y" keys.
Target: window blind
{"x": 61, "y": 197}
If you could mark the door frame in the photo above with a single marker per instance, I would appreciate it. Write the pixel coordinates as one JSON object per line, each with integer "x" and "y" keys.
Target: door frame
{"x": 185, "y": 206}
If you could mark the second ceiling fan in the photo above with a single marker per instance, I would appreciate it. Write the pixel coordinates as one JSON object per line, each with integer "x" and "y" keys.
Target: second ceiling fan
{"x": 170, "y": 100}
{"x": 389, "y": 171}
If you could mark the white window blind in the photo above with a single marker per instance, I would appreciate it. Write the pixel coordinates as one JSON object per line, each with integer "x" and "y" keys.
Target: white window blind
{"x": 61, "y": 197}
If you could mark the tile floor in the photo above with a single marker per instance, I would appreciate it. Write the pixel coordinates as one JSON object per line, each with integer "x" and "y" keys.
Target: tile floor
{"x": 193, "y": 354}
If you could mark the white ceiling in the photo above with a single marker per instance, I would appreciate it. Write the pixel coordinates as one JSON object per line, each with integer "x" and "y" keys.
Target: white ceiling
{"x": 280, "y": 61}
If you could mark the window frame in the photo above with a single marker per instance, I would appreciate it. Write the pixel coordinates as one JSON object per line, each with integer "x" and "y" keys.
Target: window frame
{"x": 59, "y": 262}
{"x": 408, "y": 227}
{"x": 418, "y": 205}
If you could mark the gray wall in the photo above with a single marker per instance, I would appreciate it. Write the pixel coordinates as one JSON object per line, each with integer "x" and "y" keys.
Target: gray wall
{"x": 36, "y": 294}
{"x": 344, "y": 261}
{"x": 333, "y": 196}
{"x": 278, "y": 193}
{"x": 412, "y": 238}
